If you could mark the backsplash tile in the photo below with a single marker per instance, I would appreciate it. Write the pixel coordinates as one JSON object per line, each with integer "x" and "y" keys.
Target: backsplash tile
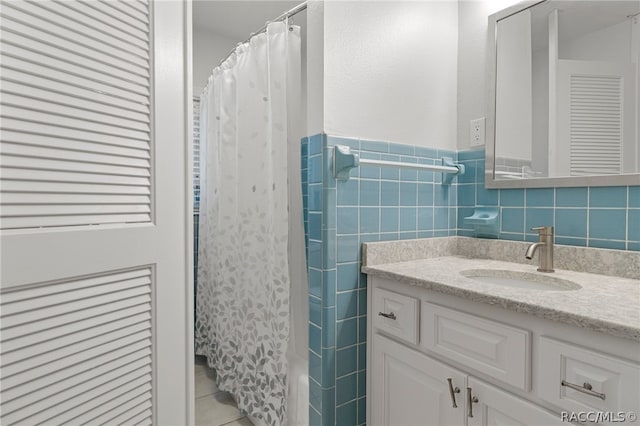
{"x": 571, "y": 223}
{"x": 607, "y": 224}
{"x": 539, "y": 197}
{"x": 634, "y": 197}
{"x": 608, "y": 196}
{"x": 511, "y": 197}
{"x": 602, "y": 217}
{"x": 571, "y": 197}
{"x": 633, "y": 223}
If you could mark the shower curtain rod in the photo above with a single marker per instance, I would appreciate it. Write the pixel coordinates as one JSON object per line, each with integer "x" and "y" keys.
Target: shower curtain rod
{"x": 288, "y": 14}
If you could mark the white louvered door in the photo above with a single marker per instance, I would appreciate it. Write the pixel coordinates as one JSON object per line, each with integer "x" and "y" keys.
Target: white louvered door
{"x": 597, "y": 118}
{"x": 95, "y": 202}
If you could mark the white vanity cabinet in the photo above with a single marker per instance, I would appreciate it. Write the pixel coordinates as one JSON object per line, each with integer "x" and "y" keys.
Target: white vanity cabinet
{"x": 410, "y": 388}
{"x": 438, "y": 359}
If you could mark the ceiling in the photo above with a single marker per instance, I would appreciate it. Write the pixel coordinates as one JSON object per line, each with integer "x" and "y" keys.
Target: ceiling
{"x": 236, "y": 19}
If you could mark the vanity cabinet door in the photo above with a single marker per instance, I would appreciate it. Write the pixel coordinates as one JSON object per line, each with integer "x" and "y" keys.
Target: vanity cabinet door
{"x": 410, "y": 389}
{"x": 491, "y": 406}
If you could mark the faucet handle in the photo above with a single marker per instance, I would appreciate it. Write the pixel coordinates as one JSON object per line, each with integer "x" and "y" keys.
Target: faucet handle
{"x": 543, "y": 230}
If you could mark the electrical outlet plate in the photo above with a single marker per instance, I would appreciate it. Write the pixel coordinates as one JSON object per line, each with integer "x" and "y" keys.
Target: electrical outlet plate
{"x": 476, "y": 132}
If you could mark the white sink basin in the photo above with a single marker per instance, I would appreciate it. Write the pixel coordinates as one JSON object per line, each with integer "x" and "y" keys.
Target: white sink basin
{"x": 516, "y": 279}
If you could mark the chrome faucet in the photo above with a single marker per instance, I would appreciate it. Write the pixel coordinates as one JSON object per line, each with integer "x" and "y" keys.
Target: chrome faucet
{"x": 545, "y": 244}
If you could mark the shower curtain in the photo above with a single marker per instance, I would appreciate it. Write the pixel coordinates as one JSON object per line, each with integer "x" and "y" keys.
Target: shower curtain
{"x": 251, "y": 264}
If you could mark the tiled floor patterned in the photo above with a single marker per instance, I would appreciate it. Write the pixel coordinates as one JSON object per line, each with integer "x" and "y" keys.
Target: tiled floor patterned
{"x": 213, "y": 406}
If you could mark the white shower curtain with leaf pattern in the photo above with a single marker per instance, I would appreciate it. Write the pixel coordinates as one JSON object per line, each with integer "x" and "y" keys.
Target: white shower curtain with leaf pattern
{"x": 250, "y": 236}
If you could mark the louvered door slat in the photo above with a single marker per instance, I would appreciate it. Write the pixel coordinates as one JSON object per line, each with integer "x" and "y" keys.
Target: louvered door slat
{"x": 23, "y": 102}
{"x": 40, "y": 54}
{"x": 88, "y": 19}
{"x": 132, "y": 361}
{"x": 67, "y": 31}
{"x": 135, "y": 4}
{"x": 32, "y": 356}
{"x": 51, "y": 130}
{"x": 129, "y": 8}
{"x": 37, "y": 52}
{"x": 14, "y": 31}
{"x": 36, "y": 94}
{"x": 42, "y": 82}
{"x": 73, "y": 76}
{"x": 21, "y": 16}
{"x": 39, "y": 331}
{"x": 145, "y": 422}
{"x": 72, "y": 209}
{"x": 65, "y": 412}
{"x": 126, "y": 390}
{"x": 143, "y": 409}
{"x": 113, "y": 24}
{"x": 75, "y": 113}
{"x": 26, "y": 354}
{"x": 60, "y": 176}
{"x": 93, "y": 348}
{"x": 27, "y": 199}
{"x": 54, "y": 221}
{"x": 41, "y": 152}
{"x": 107, "y": 361}
{"x": 136, "y": 394}
{"x": 29, "y": 140}
{"x": 24, "y": 317}
{"x": 106, "y": 9}
{"x": 118, "y": 408}
{"x": 142, "y": 418}
{"x": 595, "y": 126}
{"x": 57, "y": 14}
{"x": 51, "y": 401}
{"x": 29, "y": 293}
{"x": 35, "y": 187}
{"x": 33, "y": 162}
{"x": 62, "y": 365}
{"x": 61, "y": 71}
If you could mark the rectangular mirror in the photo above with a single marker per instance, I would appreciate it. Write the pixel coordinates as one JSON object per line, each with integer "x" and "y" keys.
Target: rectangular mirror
{"x": 564, "y": 87}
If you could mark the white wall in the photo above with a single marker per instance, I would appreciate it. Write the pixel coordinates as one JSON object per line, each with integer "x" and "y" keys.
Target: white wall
{"x": 389, "y": 70}
{"x": 208, "y": 50}
{"x": 315, "y": 67}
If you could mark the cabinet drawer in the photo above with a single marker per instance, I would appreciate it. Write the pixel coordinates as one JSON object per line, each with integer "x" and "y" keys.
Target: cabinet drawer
{"x": 495, "y": 349}
{"x": 614, "y": 383}
{"x": 396, "y": 314}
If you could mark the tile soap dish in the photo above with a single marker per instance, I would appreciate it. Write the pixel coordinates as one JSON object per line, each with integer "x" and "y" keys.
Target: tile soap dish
{"x": 484, "y": 221}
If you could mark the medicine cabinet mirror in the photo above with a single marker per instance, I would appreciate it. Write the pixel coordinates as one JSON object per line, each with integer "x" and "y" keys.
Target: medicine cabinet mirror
{"x": 564, "y": 86}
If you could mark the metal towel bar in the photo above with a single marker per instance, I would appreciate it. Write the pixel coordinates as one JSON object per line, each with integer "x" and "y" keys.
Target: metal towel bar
{"x": 344, "y": 161}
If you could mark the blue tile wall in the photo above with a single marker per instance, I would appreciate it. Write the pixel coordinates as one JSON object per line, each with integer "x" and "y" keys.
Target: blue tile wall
{"x": 375, "y": 204}
{"x": 603, "y": 217}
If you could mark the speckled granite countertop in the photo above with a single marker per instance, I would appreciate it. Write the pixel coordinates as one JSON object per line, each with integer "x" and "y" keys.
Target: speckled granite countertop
{"x": 605, "y": 303}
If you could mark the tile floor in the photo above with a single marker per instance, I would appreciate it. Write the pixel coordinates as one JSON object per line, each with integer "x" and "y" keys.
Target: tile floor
{"x": 213, "y": 406}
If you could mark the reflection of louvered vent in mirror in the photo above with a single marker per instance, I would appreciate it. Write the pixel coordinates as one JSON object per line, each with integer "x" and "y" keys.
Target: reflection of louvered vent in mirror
{"x": 75, "y": 113}
{"x": 596, "y": 125}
